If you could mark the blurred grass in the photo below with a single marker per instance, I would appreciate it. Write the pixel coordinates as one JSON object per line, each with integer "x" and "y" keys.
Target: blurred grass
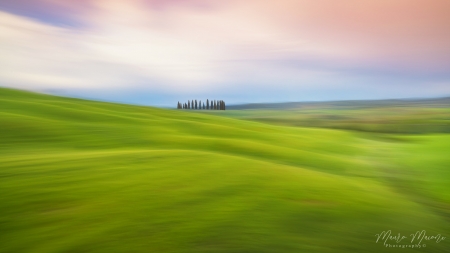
{"x": 86, "y": 176}
{"x": 394, "y": 119}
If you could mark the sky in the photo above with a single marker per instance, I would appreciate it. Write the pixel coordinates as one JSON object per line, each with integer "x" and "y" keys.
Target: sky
{"x": 158, "y": 52}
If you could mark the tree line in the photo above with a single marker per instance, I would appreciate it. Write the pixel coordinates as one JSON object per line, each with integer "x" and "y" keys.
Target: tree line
{"x": 208, "y": 105}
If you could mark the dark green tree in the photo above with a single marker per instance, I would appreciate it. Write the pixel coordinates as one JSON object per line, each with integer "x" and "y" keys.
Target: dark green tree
{"x": 207, "y": 104}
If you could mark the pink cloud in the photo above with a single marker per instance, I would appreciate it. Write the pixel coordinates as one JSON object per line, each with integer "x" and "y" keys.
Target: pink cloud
{"x": 191, "y": 4}
{"x": 411, "y": 34}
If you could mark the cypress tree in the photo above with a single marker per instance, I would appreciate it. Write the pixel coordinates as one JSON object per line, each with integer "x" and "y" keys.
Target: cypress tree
{"x": 204, "y": 106}
{"x": 207, "y": 104}
{"x": 196, "y": 104}
{"x": 224, "y": 107}
{"x": 215, "y": 105}
{"x": 189, "y": 104}
{"x": 200, "y": 105}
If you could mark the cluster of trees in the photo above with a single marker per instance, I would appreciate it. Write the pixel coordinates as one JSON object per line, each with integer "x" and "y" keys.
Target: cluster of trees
{"x": 208, "y": 105}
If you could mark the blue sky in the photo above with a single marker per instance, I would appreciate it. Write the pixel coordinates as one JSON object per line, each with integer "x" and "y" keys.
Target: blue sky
{"x": 158, "y": 52}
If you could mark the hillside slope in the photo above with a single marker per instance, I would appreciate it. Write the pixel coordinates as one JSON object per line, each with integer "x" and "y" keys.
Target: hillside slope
{"x": 86, "y": 176}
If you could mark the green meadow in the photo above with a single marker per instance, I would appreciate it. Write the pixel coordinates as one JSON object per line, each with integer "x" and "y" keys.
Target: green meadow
{"x": 385, "y": 116}
{"x": 87, "y": 176}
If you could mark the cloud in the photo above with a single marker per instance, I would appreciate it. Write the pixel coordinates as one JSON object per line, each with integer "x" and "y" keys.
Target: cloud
{"x": 67, "y": 13}
{"x": 199, "y": 46}
{"x": 38, "y": 55}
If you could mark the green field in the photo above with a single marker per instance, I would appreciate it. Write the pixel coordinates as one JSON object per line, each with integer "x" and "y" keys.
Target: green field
{"x": 392, "y": 119}
{"x": 86, "y": 176}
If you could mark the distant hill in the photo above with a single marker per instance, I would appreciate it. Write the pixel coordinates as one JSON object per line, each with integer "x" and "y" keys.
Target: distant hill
{"x": 432, "y": 102}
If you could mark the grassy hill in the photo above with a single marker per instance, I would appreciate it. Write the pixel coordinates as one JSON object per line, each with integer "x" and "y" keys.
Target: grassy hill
{"x": 86, "y": 176}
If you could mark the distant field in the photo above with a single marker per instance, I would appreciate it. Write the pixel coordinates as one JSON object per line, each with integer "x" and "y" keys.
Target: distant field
{"x": 86, "y": 176}
{"x": 380, "y": 117}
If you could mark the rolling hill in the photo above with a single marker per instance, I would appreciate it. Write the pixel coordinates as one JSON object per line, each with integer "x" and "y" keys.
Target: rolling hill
{"x": 87, "y": 176}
